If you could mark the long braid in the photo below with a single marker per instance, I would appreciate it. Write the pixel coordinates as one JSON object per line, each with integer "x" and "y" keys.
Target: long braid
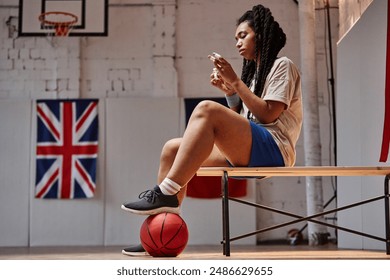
{"x": 270, "y": 39}
{"x": 261, "y": 26}
{"x": 248, "y": 70}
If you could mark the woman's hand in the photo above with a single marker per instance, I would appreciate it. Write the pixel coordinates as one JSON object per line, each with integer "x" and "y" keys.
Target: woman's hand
{"x": 225, "y": 70}
{"x": 217, "y": 81}
{"x": 223, "y": 74}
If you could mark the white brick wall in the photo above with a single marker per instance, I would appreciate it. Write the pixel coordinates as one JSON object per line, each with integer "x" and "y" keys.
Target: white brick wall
{"x": 32, "y": 68}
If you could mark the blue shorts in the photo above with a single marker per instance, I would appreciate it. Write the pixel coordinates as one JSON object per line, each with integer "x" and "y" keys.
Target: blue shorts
{"x": 265, "y": 151}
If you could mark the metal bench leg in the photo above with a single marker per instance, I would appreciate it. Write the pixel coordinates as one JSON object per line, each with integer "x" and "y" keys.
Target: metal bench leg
{"x": 387, "y": 214}
{"x": 225, "y": 215}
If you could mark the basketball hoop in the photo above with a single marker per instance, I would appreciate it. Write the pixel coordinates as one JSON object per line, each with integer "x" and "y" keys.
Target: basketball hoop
{"x": 61, "y": 22}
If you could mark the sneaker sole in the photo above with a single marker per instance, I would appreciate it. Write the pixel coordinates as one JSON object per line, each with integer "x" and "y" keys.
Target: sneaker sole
{"x": 174, "y": 210}
{"x": 135, "y": 254}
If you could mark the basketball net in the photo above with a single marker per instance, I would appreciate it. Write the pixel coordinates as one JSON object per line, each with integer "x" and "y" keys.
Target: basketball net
{"x": 61, "y": 22}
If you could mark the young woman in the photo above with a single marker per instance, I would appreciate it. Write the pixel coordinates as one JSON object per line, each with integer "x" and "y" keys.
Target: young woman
{"x": 260, "y": 127}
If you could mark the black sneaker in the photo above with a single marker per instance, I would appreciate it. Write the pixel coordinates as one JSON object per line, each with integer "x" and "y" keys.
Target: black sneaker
{"x": 135, "y": 251}
{"x": 153, "y": 202}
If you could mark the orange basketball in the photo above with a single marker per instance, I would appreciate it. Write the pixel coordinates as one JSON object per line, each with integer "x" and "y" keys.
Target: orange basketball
{"x": 164, "y": 235}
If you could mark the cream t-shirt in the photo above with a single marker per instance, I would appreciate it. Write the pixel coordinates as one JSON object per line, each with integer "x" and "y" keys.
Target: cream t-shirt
{"x": 283, "y": 84}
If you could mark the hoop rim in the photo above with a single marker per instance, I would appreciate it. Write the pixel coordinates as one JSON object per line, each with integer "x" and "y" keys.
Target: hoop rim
{"x": 56, "y": 23}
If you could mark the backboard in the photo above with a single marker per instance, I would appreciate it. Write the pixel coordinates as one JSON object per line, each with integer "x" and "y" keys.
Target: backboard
{"x": 92, "y": 16}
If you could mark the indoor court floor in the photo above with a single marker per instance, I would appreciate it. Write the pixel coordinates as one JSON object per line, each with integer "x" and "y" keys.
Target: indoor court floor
{"x": 195, "y": 252}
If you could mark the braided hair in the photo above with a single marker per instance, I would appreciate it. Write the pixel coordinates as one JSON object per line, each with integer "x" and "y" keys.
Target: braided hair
{"x": 269, "y": 40}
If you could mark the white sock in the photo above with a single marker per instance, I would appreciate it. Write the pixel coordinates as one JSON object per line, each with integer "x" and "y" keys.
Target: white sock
{"x": 169, "y": 187}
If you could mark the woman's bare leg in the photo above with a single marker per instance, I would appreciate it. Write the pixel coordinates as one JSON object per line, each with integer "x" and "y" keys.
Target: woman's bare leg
{"x": 168, "y": 156}
{"x": 211, "y": 124}
{"x": 214, "y": 134}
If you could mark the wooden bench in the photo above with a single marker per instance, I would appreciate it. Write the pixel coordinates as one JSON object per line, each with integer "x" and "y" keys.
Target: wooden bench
{"x": 317, "y": 171}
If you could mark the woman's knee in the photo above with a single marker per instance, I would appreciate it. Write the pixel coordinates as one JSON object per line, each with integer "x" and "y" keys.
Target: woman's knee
{"x": 170, "y": 148}
{"x": 206, "y": 108}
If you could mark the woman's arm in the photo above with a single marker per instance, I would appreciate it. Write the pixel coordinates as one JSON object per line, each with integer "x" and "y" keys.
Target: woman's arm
{"x": 265, "y": 111}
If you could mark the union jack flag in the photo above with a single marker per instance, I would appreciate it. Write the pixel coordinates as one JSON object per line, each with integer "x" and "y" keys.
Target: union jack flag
{"x": 67, "y": 147}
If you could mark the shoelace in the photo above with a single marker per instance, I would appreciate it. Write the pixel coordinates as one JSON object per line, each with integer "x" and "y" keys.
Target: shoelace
{"x": 149, "y": 195}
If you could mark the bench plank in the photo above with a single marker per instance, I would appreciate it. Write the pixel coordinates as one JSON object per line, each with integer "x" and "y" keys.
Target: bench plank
{"x": 295, "y": 171}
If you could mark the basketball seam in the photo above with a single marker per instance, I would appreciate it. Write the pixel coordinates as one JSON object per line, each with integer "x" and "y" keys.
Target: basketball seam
{"x": 151, "y": 238}
{"x": 161, "y": 237}
{"x": 177, "y": 232}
